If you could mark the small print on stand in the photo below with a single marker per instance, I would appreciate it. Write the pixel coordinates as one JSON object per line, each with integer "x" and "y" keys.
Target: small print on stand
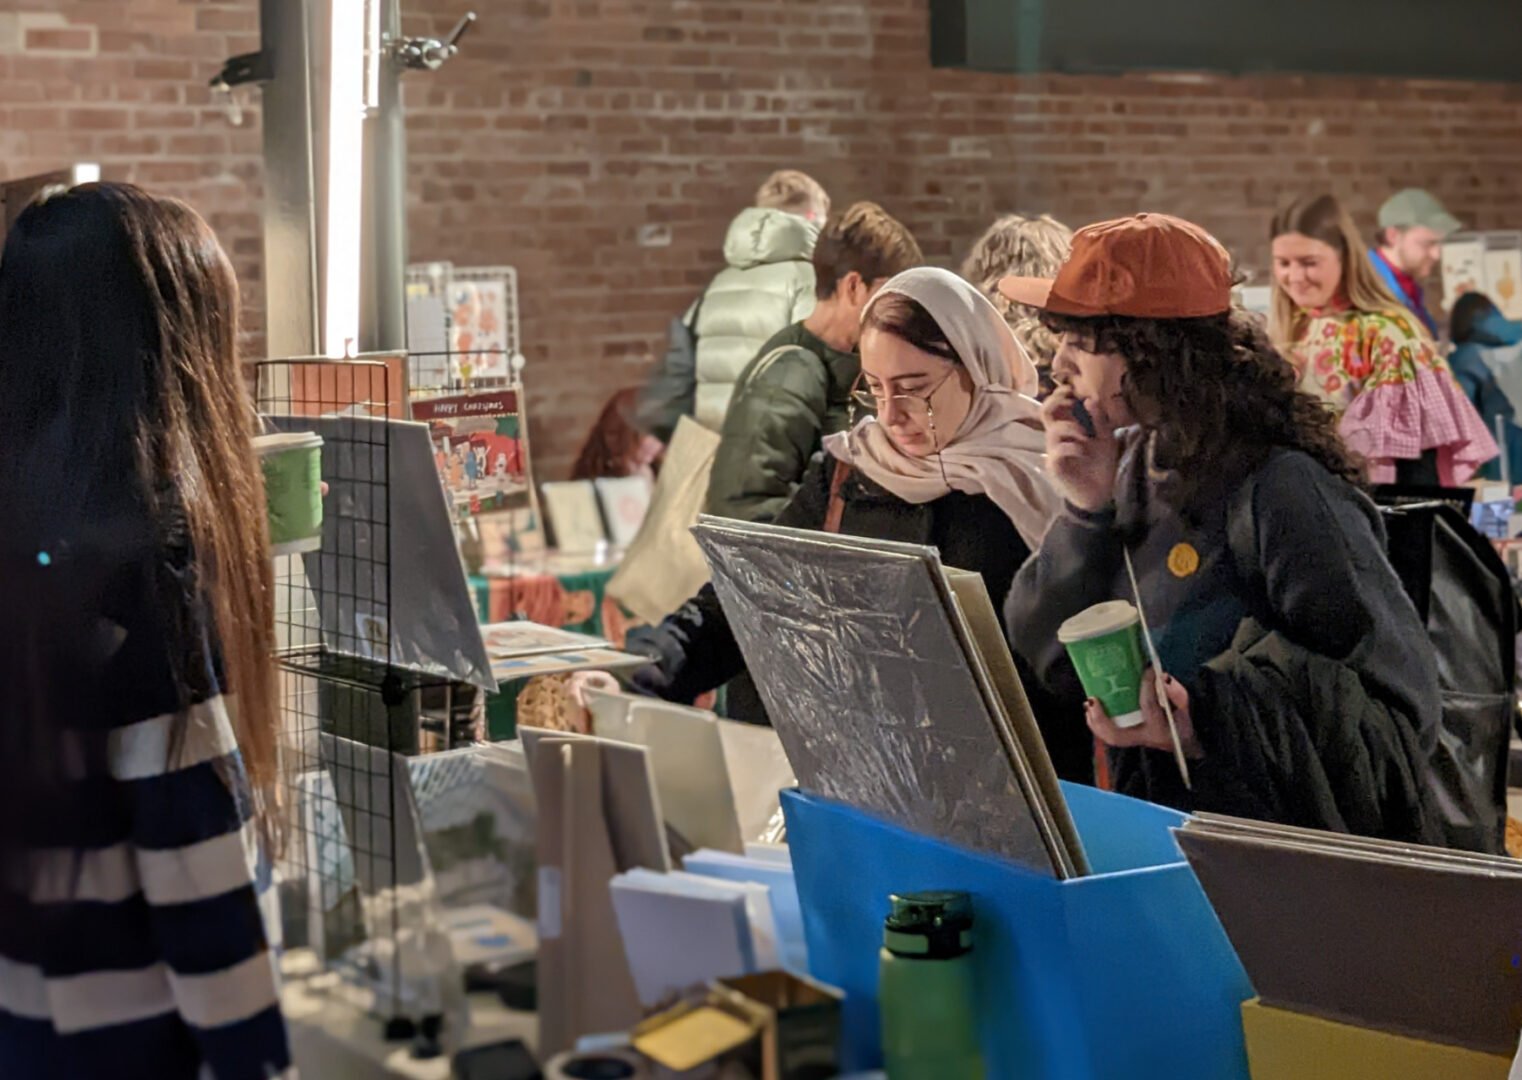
{"x": 478, "y": 448}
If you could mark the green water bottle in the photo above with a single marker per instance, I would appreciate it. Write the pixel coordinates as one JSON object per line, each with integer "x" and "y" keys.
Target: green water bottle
{"x": 925, "y": 990}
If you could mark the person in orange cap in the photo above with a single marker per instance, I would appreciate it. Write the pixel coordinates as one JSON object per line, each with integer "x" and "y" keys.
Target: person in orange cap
{"x": 1303, "y": 688}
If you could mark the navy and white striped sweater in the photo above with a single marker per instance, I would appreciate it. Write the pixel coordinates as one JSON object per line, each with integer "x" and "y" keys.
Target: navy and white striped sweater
{"x": 133, "y": 944}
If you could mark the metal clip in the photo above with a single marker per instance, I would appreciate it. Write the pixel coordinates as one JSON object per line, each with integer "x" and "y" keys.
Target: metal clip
{"x": 430, "y": 54}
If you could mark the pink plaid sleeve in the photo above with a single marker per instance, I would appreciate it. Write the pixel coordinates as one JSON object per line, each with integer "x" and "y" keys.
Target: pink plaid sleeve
{"x": 1401, "y": 421}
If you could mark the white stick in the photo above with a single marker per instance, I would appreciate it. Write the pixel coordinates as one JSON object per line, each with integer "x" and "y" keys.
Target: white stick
{"x": 1157, "y": 674}
{"x": 1505, "y": 457}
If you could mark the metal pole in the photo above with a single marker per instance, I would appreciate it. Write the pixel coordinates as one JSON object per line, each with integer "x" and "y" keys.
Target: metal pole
{"x": 290, "y": 188}
{"x": 383, "y": 244}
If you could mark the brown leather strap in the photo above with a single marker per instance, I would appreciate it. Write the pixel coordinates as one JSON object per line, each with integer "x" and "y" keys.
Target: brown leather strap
{"x": 837, "y": 506}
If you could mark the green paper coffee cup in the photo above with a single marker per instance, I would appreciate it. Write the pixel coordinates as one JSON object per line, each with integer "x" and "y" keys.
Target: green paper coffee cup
{"x": 1105, "y": 645}
{"x": 292, "y": 466}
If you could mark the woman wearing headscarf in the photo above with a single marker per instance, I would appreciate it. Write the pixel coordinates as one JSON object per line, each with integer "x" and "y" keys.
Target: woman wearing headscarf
{"x": 951, "y": 456}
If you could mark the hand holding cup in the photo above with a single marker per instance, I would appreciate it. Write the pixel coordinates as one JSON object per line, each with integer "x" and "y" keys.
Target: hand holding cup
{"x": 1152, "y": 732}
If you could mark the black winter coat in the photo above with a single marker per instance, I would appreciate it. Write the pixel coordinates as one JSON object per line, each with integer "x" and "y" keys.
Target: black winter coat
{"x": 1293, "y": 551}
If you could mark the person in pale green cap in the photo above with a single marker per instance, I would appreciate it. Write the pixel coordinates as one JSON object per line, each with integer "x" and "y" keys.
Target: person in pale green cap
{"x": 1412, "y": 228}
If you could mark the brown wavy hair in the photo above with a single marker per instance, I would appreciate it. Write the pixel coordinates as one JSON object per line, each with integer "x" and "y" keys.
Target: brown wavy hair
{"x": 613, "y": 442}
{"x": 1023, "y": 247}
{"x": 1219, "y": 398}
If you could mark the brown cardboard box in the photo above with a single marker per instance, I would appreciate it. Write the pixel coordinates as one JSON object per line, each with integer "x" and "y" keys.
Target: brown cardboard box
{"x": 770, "y": 1026}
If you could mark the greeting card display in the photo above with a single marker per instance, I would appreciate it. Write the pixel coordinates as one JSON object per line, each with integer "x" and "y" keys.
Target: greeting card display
{"x": 479, "y": 448}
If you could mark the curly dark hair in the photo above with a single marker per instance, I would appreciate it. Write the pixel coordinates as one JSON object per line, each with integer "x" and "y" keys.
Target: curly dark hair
{"x": 1218, "y": 396}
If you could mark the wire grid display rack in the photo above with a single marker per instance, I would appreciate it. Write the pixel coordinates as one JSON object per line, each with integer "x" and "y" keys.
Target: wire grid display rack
{"x": 462, "y": 327}
{"x": 352, "y": 878}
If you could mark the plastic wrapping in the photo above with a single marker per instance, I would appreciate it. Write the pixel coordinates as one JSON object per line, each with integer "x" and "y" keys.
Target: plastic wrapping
{"x": 868, "y": 683}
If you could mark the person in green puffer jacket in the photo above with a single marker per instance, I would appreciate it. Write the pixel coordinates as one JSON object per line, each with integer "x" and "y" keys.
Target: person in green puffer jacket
{"x": 768, "y": 283}
{"x": 797, "y": 389}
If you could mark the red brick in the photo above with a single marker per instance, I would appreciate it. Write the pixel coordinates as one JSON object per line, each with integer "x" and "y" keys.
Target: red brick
{"x": 160, "y": 68}
{"x": 230, "y": 20}
{"x": 98, "y": 119}
{"x": 69, "y": 39}
{"x": 565, "y": 126}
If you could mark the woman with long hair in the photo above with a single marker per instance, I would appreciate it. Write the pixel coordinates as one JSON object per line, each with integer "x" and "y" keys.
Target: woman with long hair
{"x": 615, "y": 447}
{"x": 1302, "y": 685}
{"x": 1361, "y": 352}
{"x": 139, "y": 801}
{"x": 949, "y": 453}
{"x": 1019, "y": 246}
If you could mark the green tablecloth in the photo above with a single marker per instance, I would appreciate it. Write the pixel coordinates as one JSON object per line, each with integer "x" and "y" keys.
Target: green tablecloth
{"x": 573, "y": 599}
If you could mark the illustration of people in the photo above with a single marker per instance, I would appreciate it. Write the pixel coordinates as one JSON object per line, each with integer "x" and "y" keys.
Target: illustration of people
{"x": 499, "y": 467}
{"x": 456, "y": 471}
{"x": 472, "y": 467}
{"x": 480, "y": 455}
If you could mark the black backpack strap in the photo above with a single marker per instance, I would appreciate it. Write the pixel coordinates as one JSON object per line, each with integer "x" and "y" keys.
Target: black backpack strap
{"x": 1242, "y": 541}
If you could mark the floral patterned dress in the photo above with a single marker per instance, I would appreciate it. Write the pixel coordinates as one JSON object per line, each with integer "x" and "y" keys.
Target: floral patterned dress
{"x": 1395, "y": 396}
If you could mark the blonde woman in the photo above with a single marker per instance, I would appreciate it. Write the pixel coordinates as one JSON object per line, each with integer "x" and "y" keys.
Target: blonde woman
{"x": 1016, "y": 246}
{"x": 1361, "y": 352}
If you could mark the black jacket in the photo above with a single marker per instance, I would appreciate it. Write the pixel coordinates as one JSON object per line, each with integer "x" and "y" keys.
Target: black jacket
{"x": 1269, "y": 701}
{"x": 695, "y": 651}
{"x": 1301, "y": 554}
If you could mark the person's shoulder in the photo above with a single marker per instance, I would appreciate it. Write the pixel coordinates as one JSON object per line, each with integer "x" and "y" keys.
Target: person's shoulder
{"x": 1291, "y": 476}
{"x": 787, "y": 363}
{"x": 1400, "y": 326}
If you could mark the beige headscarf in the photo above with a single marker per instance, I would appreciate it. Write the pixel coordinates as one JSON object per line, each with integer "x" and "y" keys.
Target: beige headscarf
{"x": 999, "y": 451}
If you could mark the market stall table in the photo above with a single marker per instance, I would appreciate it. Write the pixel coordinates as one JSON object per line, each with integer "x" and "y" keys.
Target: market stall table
{"x": 565, "y": 591}
{"x": 332, "y": 1037}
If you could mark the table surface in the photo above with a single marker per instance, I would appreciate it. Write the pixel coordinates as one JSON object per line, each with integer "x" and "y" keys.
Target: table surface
{"x": 330, "y": 1037}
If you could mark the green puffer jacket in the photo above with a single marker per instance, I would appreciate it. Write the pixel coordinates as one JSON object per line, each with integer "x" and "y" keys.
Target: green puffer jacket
{"x": 769, "y": 284}
{"x": 795, "y": 392}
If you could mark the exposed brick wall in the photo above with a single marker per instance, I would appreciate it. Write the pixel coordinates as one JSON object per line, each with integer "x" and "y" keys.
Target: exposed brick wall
{"x": 125, "y": 83}
{"x": 568, "y": 128}
{"x": 565, "y": 127}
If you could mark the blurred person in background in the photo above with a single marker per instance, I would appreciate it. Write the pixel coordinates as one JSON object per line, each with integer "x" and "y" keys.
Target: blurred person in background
{"x": 1365, "y": 355}
{"x": 1486, "y": 343}
{"x": 797, "y": 389}
{"x": 767, "y": 284}
{"x": 1016, "y": 246}
{"x": 1412, "y": 228}
{"x": 140, "y": 804}
{"x": 615, "y": 447}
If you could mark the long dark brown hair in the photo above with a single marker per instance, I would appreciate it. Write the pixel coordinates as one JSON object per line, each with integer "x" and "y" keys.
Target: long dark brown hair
{"x": 125, "y": 438}
{"x": 1218, "y": 396}
{"x": 613, "y": 443}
